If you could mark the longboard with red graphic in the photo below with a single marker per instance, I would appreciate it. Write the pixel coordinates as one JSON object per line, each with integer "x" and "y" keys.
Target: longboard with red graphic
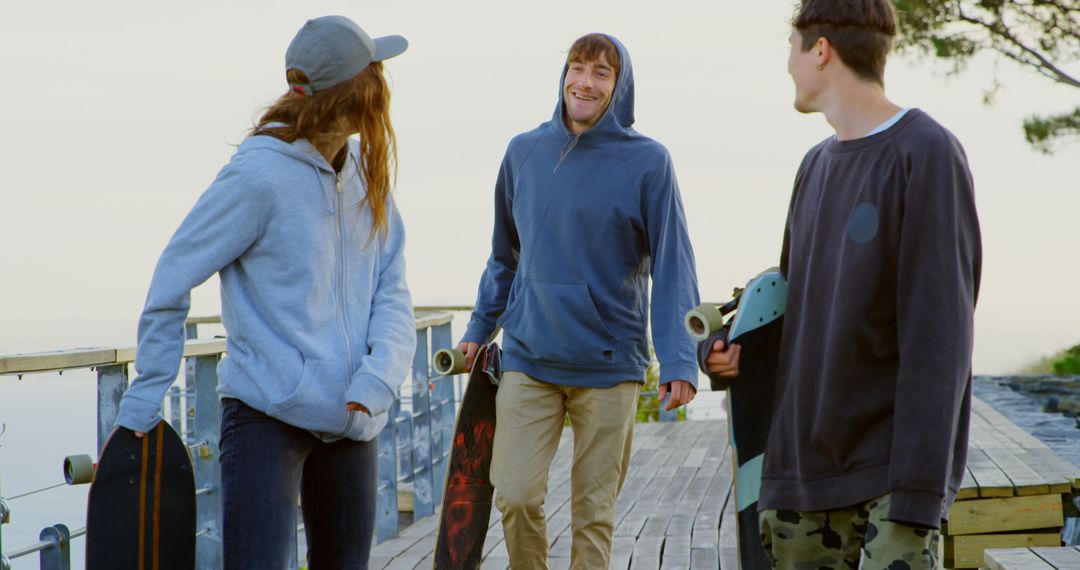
{"x": 467, "y": 499}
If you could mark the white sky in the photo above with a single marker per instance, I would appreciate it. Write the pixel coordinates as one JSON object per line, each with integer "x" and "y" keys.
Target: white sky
{"x": 118, "y": 114}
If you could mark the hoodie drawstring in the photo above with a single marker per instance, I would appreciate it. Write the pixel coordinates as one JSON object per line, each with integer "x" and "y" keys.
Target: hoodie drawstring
{"x": 328, "y": 199}
{"x": 569, "y": 146}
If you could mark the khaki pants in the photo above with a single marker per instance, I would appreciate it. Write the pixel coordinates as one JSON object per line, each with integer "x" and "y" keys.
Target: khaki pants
{"x": 837, "y": 540}
{"x": 529, "y": 424}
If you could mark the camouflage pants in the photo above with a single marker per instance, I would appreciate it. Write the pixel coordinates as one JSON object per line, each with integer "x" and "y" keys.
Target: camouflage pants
{"x": 834, "y": 540}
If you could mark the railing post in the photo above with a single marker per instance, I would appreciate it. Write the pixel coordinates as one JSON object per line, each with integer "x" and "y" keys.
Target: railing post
{"x": 57, "y": 556}
{"x": 421, "y": 430}
{"x": 666, "y": 416}
{"x": 207, "y": 467}
{"x": 386, "y": 517}
{"x": 112, "y": 383}
{"x": 442, "y": 414}
{"x": 184, "y": 404}
{"x": 5, "y": 517}
{"x": 175, "y": 411}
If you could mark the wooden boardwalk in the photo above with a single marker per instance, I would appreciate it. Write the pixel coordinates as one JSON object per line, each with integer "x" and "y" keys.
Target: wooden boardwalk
{"x": 673, "y": 512}
{"x": 1065, "y": 558}
{"x": 1013, "y": 495}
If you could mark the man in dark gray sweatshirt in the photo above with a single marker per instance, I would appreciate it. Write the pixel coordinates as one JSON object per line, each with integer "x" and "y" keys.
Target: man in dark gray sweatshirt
{"x": 882, "y": 255}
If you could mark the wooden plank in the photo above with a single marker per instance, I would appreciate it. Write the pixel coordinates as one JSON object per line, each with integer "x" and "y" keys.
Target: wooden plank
{"x": 209, "y": 320}
{"x": 622, "y": 549}
{"x": 1048, "y": 462}
{"x": 1014, "y": 559}
{"x": 728, "y": 536}
{"x": 57, "y": 360}
{"x": 1031, "y": 450}
{"x": 676, "y": 552}
{"x": 982, "y": 516}
{"x": 89, "y": 357}
{"x": 1056, "y": 464}
{"x": 967, "y": 551}
{"x": 1060, "y": 558}
{"x": 969, "y": 487}
{"x": 646, "y": 554}
{"x": 426, "y": 319}
{"x": 992, "y": 480}
{"x": 1025, "y": 480}
{"x": 704, "y": 559}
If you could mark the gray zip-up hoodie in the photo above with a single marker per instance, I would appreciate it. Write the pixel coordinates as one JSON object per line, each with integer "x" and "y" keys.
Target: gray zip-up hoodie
{"x": 317, "y": 310}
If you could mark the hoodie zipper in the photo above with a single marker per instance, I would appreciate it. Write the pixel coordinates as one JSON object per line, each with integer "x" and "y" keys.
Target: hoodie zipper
{"x": 340, "y": 222}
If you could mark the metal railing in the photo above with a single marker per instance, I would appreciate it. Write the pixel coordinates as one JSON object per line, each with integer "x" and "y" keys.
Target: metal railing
{"x": 413, "y": 448}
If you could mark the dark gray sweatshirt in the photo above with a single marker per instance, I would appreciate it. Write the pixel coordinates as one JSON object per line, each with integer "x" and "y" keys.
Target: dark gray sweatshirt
{"x": 882, "y": 255}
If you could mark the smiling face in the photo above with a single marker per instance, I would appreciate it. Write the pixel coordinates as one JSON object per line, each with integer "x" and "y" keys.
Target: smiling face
{"x": 587, "y": 90}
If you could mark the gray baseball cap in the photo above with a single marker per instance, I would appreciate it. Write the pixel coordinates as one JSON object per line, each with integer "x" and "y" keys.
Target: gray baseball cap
{"x": 333, "y": 49}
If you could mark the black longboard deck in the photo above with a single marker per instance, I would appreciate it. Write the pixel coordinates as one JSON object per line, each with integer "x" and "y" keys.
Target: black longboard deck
{"x": 750, "y": 400}
{"x": 757, "y": 326}
{"x": 467, "y": 499}
{"x": 141, "y": 507}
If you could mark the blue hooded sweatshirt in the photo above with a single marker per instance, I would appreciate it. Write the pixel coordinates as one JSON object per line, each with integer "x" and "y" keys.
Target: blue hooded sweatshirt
{"x": 581, "y": 222}
{"x": 317, "y": 310}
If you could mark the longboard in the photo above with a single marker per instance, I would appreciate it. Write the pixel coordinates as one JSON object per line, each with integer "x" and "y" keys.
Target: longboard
{"x": 756, "y": 326}
{"x": 467, "y": 499}
{"x": 141, "y": 507}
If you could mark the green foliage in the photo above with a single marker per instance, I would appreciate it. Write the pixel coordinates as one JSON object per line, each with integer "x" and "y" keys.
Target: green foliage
{"x": 1068, "y": 363}
{"x": 1041, "y": 36}
{"x": 648, "y": 408}
{"x": 1041, "y": 132}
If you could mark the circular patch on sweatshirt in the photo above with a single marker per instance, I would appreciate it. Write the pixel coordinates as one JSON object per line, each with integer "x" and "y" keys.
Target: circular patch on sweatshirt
{"x": 862, "y": 226}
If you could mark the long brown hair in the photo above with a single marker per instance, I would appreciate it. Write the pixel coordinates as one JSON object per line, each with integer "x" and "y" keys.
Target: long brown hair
{"x": 363, "y": 100}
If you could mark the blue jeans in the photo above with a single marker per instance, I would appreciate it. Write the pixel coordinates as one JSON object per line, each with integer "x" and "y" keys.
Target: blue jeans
{"x": 265, "y": 465}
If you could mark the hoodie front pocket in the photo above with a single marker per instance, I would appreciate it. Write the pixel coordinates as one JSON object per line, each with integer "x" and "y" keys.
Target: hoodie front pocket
{"x": 558, "y": 322}
{"x": 316, "y": 403}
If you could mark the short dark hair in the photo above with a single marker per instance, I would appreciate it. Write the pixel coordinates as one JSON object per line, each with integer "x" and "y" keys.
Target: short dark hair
{"x": 861, "y": 32}
{"x": 589, "y": 48}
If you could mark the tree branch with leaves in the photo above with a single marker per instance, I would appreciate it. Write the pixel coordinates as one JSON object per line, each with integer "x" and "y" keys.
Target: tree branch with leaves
{"x": 1039, "y": 35}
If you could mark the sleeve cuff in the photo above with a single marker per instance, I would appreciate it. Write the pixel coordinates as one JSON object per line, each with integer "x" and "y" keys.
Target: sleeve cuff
{"x": 682, "y": 371}
{"x": 373, "y": 393}
{"x": 474, "y": 334}
{"x": 704, "y": 347}
{"x": 916, "y": 508}
{"x": 138, "y": 415}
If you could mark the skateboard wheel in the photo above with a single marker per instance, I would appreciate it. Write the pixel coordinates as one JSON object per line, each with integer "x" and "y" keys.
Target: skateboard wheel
{"x": 78, "y": 469}
{"x": 703, "y": 320}
{"x": 448, "y": 362}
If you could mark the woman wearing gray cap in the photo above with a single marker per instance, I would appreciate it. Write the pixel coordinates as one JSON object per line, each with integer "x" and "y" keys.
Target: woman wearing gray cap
{"x": 308, "y": 243}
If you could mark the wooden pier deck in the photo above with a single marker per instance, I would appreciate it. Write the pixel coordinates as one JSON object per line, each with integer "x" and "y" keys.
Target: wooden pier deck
{"x": 1063, "y": 558}
{"x": 673, "y": 512}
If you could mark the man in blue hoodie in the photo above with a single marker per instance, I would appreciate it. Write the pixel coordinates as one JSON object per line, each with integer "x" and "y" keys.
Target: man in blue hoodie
{"x": 586, "y": 209}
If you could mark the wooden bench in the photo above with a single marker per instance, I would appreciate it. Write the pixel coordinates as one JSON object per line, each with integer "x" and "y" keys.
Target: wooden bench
{"x": 1066, "y": 558}
{"x": 1013, "y": 492}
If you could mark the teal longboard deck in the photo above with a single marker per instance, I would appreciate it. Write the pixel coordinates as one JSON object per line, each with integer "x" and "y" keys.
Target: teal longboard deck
{"x": 756, "y": 326}
{"x": 141, "y": 507}
{"x": 467, "y": 499}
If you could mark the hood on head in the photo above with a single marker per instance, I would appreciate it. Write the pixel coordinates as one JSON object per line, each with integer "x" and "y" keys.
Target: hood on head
{"x": 619, "y": 116}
